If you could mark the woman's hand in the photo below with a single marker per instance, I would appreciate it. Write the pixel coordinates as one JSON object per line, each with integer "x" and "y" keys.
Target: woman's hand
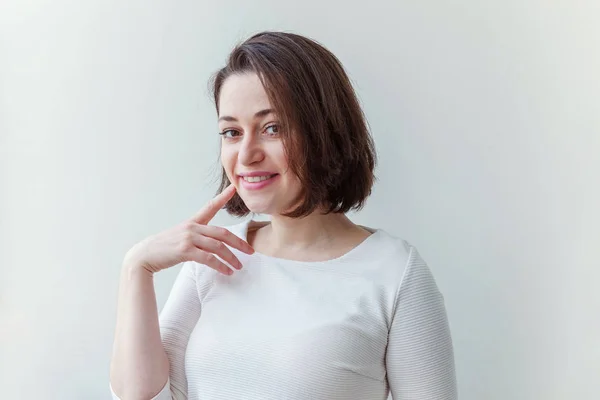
{"x": 192, "y": 240}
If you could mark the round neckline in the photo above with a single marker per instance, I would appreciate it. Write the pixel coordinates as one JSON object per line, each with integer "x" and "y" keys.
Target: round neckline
{"x": 356, "y": 249}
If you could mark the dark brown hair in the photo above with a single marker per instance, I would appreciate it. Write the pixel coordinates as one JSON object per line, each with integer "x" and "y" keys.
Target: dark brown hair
{"x": 324, "y": 131}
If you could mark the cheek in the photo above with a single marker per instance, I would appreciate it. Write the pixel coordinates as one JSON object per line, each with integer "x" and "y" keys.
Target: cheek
{"x": 279, "y": 156}
{"x": 228, "y": 158}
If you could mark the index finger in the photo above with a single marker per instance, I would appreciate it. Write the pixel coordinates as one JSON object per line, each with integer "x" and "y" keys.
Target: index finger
{"x": 213, "y": 206}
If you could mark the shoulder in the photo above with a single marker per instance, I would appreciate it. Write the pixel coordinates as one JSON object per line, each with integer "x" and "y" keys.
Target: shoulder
{"x": 408, "y": 275}
{"x": 387, "y": 248}
{"x": 394, "y": 257}
{"x": 414, "y": 274}
{"x": 390, "y": 245}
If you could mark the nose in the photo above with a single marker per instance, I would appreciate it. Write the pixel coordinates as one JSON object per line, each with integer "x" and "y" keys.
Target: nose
{"x": 251, "y": 151}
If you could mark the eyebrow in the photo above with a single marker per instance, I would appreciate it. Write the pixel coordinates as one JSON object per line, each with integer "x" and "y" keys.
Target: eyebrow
{"x": 259, "y": 114}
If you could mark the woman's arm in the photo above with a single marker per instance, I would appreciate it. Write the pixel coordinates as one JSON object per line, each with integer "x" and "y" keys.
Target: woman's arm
{"x": 139, "y": 367}
{"x": 142, "y": 361}
{"x": 148, "y": 364}
{"x": 420, "y": 356}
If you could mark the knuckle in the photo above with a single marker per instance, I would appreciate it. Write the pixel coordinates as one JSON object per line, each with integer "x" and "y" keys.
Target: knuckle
{"x": 183, "y": 248}
{"x": 200, "y": 257}
{"x": 188, "y": 237}
{"x": 186, "y": 244}
{"x": 189, "y": 226}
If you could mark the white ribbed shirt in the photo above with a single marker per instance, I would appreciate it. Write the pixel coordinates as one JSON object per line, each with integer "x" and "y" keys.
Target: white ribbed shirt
{"x": 359, "y": 327}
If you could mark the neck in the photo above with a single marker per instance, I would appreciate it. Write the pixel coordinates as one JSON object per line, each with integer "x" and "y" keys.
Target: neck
{"x": 314, "y": 230}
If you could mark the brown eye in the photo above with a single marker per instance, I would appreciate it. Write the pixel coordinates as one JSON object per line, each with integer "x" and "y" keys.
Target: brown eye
{"x": 272, "y": 129}
{"x": 229, "y": 133}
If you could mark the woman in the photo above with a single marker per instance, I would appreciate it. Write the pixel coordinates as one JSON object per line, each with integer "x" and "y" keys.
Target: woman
{"x": 308, "y": 305}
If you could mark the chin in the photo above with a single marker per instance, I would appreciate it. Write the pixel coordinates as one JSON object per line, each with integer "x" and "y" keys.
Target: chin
{"x": 259, "y": 208}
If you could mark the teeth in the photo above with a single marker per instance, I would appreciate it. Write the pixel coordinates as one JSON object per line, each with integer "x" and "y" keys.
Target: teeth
{"x": 256, "y": 178}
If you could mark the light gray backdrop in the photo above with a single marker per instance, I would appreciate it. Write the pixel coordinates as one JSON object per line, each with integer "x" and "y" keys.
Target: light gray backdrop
{"x": 486, "y": 118}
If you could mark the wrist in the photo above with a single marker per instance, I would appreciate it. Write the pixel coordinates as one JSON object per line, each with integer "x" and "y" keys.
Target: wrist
{"x": 132, "y": 267}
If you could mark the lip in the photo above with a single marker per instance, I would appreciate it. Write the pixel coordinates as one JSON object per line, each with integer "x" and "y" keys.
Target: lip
{"x": 256, "y": 173}
{"x": 257, "y": 185}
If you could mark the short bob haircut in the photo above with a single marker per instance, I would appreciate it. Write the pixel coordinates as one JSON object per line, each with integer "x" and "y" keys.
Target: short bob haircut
{"x": 324, "y": 131}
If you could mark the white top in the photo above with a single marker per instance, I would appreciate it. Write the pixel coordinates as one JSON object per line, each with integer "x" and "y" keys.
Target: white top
{"x": 360, "y": 326}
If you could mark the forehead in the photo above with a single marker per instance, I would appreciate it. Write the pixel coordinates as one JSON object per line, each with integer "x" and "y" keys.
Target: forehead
{"x": 242, "y": 95}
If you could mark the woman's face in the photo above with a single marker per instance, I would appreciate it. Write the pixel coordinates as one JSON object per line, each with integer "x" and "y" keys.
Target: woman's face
{"x": 252, "y": 151}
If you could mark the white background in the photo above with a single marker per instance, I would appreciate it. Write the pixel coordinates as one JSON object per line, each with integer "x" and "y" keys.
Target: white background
{"x": 486, "y": 115}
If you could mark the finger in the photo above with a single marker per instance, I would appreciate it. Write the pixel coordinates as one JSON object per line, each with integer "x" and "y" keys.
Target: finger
{"x": 218, "y": 248}
{"x": 224, "y": 236}
{"x": 211, "y": 261}
{"x": 213, "y": 206}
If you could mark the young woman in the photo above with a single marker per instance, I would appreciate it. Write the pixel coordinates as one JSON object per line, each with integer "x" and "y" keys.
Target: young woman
{"x": 308, "y": 305}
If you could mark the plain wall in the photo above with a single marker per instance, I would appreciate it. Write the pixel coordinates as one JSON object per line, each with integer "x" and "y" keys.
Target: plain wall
{"x": 486, "y": 116}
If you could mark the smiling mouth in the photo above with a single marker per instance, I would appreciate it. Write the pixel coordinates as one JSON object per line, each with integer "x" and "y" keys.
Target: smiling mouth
{"x": 254, "y": 179}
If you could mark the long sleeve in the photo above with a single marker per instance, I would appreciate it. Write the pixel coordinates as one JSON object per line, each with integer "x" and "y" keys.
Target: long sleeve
{"x": 177, "y": 320}
{"x": 420, "y": 355}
